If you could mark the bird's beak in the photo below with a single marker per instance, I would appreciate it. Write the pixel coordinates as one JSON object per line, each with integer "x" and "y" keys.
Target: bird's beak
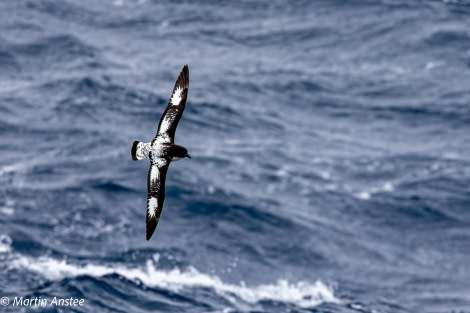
{"x": 187, "y": 155}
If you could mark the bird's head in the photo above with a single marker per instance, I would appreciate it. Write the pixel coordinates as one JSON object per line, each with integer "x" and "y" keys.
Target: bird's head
{"x": 179, "y": 152}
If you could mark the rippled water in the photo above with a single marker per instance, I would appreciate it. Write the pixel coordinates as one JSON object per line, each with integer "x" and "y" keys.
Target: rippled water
{"x": 330, "y": 169}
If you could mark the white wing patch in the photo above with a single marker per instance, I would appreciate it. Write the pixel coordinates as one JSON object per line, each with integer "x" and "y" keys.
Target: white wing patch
{"x": 155, "y": 175}
{"x": 152, "y": 206}
{"x": 143, "y": 150}
{"x": 176, "y": 97}
{"x": 165, "y": 125}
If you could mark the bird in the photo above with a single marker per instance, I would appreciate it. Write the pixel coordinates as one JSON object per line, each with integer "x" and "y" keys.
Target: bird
{"x": 162, "y": 150}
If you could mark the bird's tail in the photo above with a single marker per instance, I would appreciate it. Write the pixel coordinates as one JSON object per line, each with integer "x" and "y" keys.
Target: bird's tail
{"x": 140, "y": 150}
{"x": 134, "y": 150}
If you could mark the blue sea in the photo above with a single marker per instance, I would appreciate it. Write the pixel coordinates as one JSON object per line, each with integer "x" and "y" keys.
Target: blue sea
{"x": 330, "y": 145}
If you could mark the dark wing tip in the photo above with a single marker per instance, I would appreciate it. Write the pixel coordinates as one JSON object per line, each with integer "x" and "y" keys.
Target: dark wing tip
{"x": 183, "y": 78}
{"x": 151, "y": 226}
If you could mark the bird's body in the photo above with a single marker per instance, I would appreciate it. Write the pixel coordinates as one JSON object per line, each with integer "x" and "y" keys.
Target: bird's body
{"x": 162, "y": 150}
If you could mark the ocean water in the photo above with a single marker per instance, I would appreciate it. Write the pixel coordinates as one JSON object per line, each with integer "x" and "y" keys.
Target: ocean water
{"x": 330, "y": 148}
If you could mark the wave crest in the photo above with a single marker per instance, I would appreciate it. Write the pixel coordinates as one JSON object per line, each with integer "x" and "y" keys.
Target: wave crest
{"x": 303, "y": 294}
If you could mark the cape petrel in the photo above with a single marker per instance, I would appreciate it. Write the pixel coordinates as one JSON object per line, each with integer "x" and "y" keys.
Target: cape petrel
{"x": 162, "y": 150}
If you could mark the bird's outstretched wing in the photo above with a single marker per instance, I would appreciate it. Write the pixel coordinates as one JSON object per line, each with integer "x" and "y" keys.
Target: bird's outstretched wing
{"x": 175, "y": 108}
{"x": 156, "y": 193}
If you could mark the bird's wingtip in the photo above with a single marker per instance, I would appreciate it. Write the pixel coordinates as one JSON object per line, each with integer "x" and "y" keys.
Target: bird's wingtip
{"x": 151, "y": 226}
{"x": 183, "y": 78}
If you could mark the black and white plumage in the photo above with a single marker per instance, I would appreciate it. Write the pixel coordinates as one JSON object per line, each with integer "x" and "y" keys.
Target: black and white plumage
{"x": 162, "y": 150}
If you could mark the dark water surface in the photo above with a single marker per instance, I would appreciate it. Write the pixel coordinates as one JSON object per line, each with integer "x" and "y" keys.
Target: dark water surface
{"x": 330, "y": 144}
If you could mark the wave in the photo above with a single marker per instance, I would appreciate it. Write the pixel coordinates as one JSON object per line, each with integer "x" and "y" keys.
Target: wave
{"x": 303, "y": 294}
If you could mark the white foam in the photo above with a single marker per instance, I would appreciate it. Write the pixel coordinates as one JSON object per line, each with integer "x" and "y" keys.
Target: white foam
{"x": 282, "y": 172}
{"x": 302, "y": 294}
{"x": 324, "y": 174}
{"x": 7, "y": 210}
{"x": 210, "y": 189}
{"x": 431, "y": 65}
{"x": 363, "y": 195}
{"x": 12, "y": 168}
{"x": 387, "y": 187}
{"x": 5, "y": 243}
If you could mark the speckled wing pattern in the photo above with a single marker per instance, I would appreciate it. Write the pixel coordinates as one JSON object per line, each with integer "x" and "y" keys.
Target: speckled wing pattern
{"x": 156, "y": 193}
{"x": 140, "y": 150}
{"x": 175, "y": 108}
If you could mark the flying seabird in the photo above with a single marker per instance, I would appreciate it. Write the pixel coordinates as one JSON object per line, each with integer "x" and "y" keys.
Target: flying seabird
{"x": 162, "y": 150}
